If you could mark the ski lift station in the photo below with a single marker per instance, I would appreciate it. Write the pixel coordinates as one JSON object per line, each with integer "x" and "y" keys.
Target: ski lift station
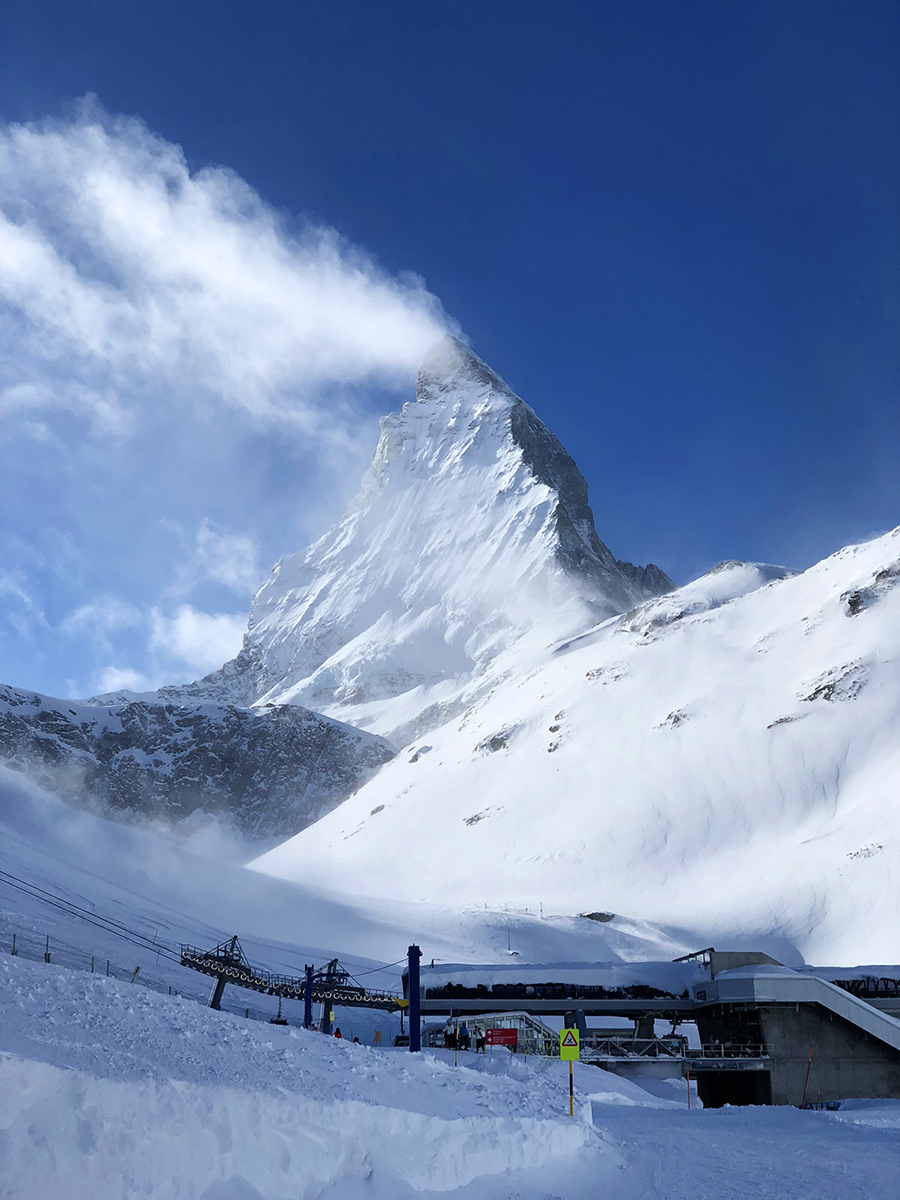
{"x": 760, "y": 1033}
{"x": 746, "y": 1028}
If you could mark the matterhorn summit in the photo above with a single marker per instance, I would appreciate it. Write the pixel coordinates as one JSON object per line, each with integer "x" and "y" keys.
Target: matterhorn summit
{"x": 471, "y": 529}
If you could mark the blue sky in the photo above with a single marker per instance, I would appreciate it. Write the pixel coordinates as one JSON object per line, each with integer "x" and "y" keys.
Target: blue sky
{"x": 673, "y": 227}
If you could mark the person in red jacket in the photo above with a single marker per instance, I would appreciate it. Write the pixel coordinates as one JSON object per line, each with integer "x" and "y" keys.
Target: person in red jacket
{"x": 337, "y": 1032}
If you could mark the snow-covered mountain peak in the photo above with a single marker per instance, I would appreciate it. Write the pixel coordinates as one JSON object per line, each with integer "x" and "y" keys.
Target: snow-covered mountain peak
{"x": 471, "y": 528}
{"x": 450, "y": 364}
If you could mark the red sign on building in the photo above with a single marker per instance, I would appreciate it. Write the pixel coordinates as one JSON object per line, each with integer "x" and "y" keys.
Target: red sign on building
{"x": 501, "y": 1037}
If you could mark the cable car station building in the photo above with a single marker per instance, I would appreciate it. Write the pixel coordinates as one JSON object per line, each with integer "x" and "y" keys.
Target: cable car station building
{"x": 768, "y": 1034}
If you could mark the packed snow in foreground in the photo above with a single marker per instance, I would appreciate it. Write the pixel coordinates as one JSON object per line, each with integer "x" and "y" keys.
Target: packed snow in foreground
{"x": 111, "y": 1090}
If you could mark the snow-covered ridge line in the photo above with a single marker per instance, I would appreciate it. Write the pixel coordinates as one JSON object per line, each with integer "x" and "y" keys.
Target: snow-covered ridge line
{"x": 727, "y": 582}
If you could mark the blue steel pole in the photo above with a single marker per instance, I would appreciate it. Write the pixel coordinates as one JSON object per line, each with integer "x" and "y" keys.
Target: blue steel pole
{"x": 415, "y": 1018}
{"x": 307, "y": 1000}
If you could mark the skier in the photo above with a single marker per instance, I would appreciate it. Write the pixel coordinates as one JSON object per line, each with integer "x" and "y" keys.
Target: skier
{"x": 337, "y": 1032}
{"x": 463, "y": 1036}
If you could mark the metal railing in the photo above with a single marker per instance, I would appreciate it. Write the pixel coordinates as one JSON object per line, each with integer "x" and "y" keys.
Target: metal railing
{"x": 50, "y": 948}
{"x": 731, "y": 1050}
{"x": 620, "y": 1047}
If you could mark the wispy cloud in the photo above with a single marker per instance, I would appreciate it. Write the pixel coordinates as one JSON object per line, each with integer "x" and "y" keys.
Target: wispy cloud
{"x": 170, "y": 645}
{"x": 123, "y": 269}
{"x": 202, "y": 641}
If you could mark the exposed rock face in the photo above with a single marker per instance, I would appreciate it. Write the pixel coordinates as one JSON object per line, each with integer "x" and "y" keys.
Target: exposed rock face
{"x": 269, "y": 772}
{"x": 471, "y": 528}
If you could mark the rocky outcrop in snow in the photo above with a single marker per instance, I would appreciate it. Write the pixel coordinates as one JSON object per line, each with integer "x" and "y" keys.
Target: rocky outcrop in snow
{"x": 267, "y": 772}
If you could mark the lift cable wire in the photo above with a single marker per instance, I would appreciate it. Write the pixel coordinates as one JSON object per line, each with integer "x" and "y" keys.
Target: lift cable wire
{"x": 163, "y": 908}
{"x": 106, "y": 924}
{"x": 374, "y": 970}
{"x": 109, "y": 925}
{"x": 69, "y": 903}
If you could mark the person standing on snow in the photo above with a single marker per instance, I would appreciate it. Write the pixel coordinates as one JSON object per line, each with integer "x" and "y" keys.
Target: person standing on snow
{"x": 337, "y": 1032}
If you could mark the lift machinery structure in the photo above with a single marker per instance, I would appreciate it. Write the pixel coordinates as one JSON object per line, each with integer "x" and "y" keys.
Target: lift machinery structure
{"x": 329, "y": 985}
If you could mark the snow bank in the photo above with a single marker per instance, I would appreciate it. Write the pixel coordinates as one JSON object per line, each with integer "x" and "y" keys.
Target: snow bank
{"x": 109, "y": 1089}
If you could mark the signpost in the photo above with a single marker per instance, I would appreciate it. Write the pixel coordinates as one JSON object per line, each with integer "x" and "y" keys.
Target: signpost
{"x": 502, "y": 1037}
{"x": 570, "y": 1050}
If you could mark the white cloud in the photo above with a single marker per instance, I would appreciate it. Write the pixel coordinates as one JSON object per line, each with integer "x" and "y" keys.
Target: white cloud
{"x": 125, "y": 272}
{"x": 230, "y": 559}
{"x": 179, "y": 362}
{"x": 201, "y": 641}
{"x": 173, "y": 646}
{"x": 19, "y": 609}
{"x": 101, "y": 619}
{"x": 116, "y": 679}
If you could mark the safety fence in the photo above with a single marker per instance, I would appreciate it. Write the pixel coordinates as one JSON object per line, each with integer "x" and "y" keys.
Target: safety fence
{"x": 50, "y": 948}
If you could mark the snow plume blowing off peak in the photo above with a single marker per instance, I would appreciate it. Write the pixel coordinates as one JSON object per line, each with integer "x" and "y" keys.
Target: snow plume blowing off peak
{"x": 471, "y": 530}
{"x": 126, "y": 271}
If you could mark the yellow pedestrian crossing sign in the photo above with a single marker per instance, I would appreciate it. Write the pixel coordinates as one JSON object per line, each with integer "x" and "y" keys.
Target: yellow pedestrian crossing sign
{"x": 569, "y": 1044}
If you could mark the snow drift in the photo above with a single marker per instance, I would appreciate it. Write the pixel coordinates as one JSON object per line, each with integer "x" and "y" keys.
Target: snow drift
{"x": 113, "y": 1091}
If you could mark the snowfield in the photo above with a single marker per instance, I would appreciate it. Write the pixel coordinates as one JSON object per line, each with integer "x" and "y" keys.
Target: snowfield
{"x": 110, "y": 1089}
{"x": 112, "y": 1092}
{"x": 726, "y": 755}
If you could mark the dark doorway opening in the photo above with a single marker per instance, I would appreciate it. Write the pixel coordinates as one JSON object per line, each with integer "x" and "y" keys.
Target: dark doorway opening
{"x": 716, "y": 1088}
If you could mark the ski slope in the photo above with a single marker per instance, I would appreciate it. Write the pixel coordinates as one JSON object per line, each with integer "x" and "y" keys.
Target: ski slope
{"x": 163, "y": 892}
{"x": 725, "y": 755}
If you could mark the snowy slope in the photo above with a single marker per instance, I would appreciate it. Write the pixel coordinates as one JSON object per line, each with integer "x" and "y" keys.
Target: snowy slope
{"x": 725, "y": 756}
{"x": 112, "y": 1089}
{"x": 181, "y": 891}
{"x": 472, "y": 527}
{"x": 265, "y": 772}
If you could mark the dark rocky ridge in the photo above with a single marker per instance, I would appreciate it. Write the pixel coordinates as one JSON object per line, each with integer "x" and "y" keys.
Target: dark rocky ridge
{"x": 580, "y": 550}
{"x": 268, "y": 773}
